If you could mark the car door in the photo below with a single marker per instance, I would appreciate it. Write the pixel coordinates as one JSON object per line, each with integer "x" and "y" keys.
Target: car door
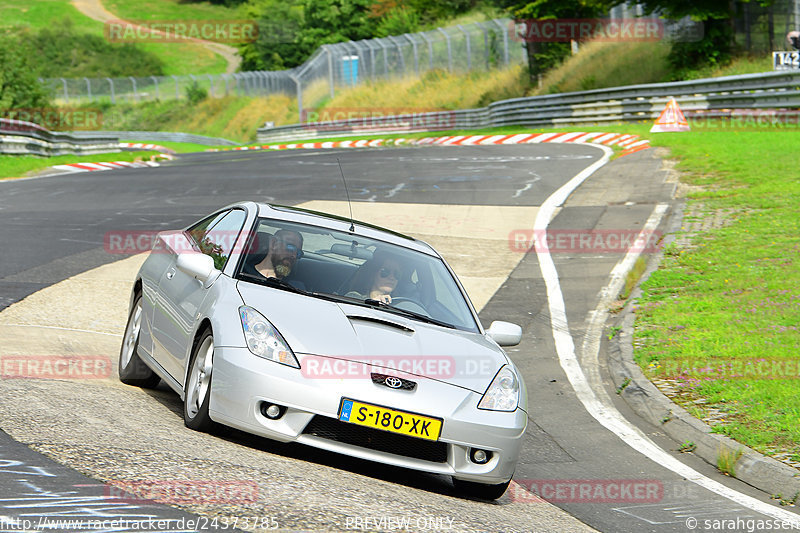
{"x": 182, "y": 295}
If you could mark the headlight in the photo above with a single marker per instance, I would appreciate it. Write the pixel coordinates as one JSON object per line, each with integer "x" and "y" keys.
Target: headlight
{"x": 503, "y": 393}
{"x": 263, "y": 339}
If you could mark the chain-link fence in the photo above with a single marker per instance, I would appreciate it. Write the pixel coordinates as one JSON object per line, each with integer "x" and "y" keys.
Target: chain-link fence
{"x": 476, "y": 46}
{"x": 761, "y": 28}
{"x": 758, "y": 27}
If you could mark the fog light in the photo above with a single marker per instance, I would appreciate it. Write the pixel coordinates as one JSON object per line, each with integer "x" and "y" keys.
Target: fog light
{"x": 271, "y": 411}
{"x": 480, "y": 457}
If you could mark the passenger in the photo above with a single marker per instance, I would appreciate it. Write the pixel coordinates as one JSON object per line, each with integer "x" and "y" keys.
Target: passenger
{"x": 377, "y": 278}
{"x": 285, "y": 248}
{"x": 793, "y": 39}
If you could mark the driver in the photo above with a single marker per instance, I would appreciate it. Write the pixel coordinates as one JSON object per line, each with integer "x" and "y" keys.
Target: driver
{"x": 377, "y": 278}
{"x": 285, "y": 248}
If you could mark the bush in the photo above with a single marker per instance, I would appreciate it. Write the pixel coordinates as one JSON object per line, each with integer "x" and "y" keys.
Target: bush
{"x": 61, "y": 52}
{"x": 398, "y": 21}
{"x": 196, "y": 94}
{"x": 19, "y": 84}
{"x": 712, "y": 50}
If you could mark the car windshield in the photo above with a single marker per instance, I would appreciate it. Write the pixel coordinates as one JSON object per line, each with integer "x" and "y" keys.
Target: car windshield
{"x": 325, "y": 263}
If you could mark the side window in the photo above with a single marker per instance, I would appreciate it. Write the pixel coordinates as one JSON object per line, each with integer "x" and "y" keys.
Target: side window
{"x": 216, "y": 236}
{"x": 198, "y": 231}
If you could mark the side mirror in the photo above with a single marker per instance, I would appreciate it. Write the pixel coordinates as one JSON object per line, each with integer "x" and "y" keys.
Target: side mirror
{"x": 197, "y": 265}
{"x": 505, "y": 333}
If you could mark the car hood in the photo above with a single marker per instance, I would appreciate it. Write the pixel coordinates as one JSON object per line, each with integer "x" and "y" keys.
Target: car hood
{"x": 316, "y": 328}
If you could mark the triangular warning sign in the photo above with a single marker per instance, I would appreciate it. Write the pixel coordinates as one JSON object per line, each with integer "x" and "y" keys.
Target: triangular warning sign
{"x": 671, "y": 119}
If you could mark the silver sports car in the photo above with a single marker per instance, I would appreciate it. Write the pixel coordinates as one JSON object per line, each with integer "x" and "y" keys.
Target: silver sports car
{"x": 306, "y": 327}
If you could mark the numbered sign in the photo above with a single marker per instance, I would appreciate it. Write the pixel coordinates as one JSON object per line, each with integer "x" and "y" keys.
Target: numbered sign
{"x": 786, "y": 60}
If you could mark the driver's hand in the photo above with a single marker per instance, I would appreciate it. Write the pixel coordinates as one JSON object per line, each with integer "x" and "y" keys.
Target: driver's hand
{"x": 385, "y": 298}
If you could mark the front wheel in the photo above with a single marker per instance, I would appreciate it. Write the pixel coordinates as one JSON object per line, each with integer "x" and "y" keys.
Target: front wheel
{"x": 480, "y": 490}
{"x": 132, "y": 370}
{"x": 197, "y": 391}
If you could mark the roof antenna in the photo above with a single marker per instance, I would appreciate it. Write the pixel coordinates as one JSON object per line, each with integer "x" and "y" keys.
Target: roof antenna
{"x": 352, "y": 226}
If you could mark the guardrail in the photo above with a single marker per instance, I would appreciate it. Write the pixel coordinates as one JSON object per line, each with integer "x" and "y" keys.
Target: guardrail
{"x": 159, "y": 136}
{"x": 26, "y": 138}
{"x": 770, "y": 90}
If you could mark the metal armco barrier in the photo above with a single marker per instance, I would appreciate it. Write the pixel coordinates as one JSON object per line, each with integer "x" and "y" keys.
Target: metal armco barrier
{"x": 770, "y": 90}
{"x": 159, "y": 136}
{"x": 26, "y": 138}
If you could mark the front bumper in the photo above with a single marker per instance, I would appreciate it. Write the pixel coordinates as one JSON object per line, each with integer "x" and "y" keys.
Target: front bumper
{"x": 241, "y": 382}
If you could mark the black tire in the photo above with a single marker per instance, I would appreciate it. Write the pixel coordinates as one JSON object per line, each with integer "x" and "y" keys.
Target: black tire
{"x": 480, "y": 490}
{"x": 197, "y": 389}
{"x": 132, "y": 370}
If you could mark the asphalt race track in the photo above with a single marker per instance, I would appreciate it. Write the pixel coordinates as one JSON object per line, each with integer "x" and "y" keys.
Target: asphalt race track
{"x": 54, "y": 229}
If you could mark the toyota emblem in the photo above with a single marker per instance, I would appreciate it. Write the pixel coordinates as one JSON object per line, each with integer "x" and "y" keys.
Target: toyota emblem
{"x": 393, "y": 382}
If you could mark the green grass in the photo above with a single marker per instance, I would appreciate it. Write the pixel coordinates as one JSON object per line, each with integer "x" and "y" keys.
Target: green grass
{"x": 140, "y": 10}
{"x": 178, "y": 58}
{"x": 180, "y": 148}
{"x": 599, "y": 65}
{"x": 39, "y": 14}
{"x": 231, "y": 118}
{"x": 17, "y": 166}
{"x": 726, "y": 461}
{"x": 633, "y": 276}
{"x": 732, "y": 297}
{"x": 181, "y": 59}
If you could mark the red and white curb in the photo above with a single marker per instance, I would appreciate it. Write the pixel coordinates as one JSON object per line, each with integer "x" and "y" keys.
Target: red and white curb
{"x": 149, "y": 147}
{"x": 364, "y": 143}
{"x": 630, "y": 143}
{"x": 111, "y": 165}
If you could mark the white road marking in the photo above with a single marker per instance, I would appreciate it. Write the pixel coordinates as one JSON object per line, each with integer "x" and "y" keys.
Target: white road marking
{"x": 601, "y": 408}
{"x": 528, "y": 185}
{"x": 60, "y": 328}
{"x": 395, "y": 190}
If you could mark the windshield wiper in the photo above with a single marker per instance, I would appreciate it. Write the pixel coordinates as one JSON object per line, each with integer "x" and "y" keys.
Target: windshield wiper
{"x": 273, "y": 282}
{"x": 411, "y": 314}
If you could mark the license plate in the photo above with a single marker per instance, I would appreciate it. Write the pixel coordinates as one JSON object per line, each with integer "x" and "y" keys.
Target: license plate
{"x": 379, "y": 417}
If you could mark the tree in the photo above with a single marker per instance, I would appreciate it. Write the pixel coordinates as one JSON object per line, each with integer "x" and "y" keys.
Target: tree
{"x": 289, "y": 31}
{"x": 717, "y": 44}
{"x": 545, "y": 55}
{"x": 19, "y": 84}
{"x": 276, "y": 47}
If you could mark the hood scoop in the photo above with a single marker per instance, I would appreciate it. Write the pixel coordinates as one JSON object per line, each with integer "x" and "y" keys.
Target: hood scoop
{"x": 382, "y": 321}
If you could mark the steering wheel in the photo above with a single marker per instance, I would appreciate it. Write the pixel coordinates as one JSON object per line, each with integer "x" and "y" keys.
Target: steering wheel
{"x": 409, "y": 304}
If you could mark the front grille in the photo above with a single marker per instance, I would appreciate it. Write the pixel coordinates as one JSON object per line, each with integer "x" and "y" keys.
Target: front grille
{"x": 376, "y": 439}
{"x": 404, "y": 384}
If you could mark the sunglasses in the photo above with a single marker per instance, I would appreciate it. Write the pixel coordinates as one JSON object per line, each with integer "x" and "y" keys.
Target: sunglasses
{"x": 386, "y": 272}
{"x": 291, "y": 248}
